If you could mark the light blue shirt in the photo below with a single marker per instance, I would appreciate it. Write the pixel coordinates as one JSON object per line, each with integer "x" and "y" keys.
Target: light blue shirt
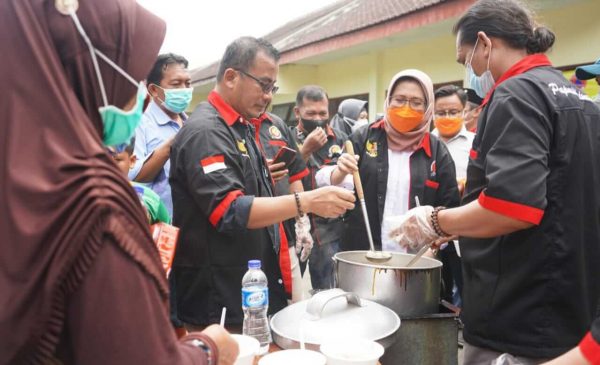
{"x": 155, "y": 129}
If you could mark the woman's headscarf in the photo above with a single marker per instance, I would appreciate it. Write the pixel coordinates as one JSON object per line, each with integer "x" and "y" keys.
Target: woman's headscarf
{"x": 409, "y": 141}
{"x": 62, "y": 197}
{"x": 347, "y": 115}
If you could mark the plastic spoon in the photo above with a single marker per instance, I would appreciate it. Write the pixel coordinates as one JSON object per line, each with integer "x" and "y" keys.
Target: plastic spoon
{"x": 223, "y": 313}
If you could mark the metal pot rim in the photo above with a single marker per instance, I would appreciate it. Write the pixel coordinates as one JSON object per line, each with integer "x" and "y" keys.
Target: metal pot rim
{"x": 434, "y": 264}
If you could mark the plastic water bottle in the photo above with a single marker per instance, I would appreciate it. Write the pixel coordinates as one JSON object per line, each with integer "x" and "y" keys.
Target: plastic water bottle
{"x": 255, "y": 303}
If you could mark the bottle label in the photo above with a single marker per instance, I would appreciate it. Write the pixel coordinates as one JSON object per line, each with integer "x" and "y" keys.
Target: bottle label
{"x": 254, "y": 297}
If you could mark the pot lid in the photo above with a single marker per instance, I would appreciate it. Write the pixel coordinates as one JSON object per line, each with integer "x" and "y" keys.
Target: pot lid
{"x": 332, "y": 314}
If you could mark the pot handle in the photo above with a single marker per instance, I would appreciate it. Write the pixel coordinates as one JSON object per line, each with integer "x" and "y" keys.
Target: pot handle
{"x": 316, "y": 304}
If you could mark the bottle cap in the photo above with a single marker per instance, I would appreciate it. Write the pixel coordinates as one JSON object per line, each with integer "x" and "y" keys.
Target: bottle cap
{"x": 254, "y": 264}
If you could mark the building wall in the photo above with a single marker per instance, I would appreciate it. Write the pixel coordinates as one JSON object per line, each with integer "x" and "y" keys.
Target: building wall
{"x": 577, "y": 36}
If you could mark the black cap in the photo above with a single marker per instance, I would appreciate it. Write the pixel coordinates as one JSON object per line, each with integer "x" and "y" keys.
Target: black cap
{"x": 472, "y": 96}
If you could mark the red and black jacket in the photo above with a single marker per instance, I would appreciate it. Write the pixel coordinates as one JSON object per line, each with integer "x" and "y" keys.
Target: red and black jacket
{"x": 271, "y": 134}
{"x": 217, "y": 169}
{"x": 432, "y": 179}
{"x": 323, "y": 230}
{"x": 535, "y": 158}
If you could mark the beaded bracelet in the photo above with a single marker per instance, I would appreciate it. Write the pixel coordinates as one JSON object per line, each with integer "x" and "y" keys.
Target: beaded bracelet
{"x": 435, "y": 222}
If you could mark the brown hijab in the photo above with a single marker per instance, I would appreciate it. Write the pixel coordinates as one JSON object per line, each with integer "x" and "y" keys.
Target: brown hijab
{"x": 61, "y": 195}
{"x": 410, "y": 141}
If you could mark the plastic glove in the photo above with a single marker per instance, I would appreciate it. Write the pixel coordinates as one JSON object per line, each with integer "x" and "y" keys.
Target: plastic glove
{"x": 304, "y": 240}
{"x": 506, "y": 359}
{"x": 414, "y": 229}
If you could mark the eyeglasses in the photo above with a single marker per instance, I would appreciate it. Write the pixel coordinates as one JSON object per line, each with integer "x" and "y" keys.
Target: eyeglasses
{"x": 266, "y": 87}
{"x": 414, "y": 103}
{"x": 449, "y": 113}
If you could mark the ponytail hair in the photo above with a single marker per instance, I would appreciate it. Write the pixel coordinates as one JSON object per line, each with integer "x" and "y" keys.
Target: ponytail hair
{"x": 541, "y": 40}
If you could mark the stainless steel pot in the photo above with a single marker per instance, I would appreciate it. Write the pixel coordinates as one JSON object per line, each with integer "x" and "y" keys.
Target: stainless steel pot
{"x": 408, "y": 291}
{"x": 333, "y": 314}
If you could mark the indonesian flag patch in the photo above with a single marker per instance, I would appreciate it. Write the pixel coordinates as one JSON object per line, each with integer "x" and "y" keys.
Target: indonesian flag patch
{"x": 213, "y": 163}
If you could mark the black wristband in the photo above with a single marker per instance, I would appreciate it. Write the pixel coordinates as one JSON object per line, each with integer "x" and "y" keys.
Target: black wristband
{"x": 435, "y": 222}
{"x": 298, "y": 206}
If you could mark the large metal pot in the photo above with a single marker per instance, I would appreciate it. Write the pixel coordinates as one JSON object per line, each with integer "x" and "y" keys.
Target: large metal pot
{"x": 408, "y": 291}
{"x": 333, "y": 314}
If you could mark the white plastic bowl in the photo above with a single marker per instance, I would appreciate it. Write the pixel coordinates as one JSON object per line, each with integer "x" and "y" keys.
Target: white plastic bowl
{"x": 293, "y": 357}
{"x": 352, "y": 352}
{"x": 249, "y": 347}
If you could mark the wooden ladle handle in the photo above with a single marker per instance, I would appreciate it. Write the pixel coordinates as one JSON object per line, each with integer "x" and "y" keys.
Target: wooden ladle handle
{"x": 355, "y": 174}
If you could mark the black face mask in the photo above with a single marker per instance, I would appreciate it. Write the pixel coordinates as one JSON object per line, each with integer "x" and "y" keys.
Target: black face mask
{"x": 310, "y": 125}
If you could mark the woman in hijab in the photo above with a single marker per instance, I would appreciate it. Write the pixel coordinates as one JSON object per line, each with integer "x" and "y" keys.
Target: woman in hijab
{"x": 348, "y": 118}
{"x": 80, "y": 277}
{"x": 398, "y": 161}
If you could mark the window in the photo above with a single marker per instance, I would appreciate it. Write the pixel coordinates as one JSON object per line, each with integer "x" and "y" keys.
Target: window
{"x": 285, "y": 112}
{"x": 334, "y": 103}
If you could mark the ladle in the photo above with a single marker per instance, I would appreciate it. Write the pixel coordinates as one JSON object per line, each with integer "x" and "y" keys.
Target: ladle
{"x": 371, "y": 255}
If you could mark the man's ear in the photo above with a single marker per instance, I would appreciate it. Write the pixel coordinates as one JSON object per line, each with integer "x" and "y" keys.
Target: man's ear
{"x": 483, "y": 38}
{"x": 153, "y": 90}
{"x": 231, "y": 78}
{"x": 297, "y": 113}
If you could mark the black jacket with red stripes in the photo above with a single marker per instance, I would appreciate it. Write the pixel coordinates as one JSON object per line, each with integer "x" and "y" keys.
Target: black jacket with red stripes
{"x": 216, "y": 171}
{"x": 432, "y": 179}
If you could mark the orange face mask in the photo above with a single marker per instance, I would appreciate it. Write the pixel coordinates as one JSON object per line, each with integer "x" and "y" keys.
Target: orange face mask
{"x": 448, "y": 127}
{"x": 404, "y": 119}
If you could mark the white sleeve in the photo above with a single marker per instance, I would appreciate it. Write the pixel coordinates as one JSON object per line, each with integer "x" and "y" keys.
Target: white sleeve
{"x": 323, "y": 178}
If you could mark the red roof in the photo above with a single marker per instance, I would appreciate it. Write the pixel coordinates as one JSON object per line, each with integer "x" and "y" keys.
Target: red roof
{"x": 340, "y": 18}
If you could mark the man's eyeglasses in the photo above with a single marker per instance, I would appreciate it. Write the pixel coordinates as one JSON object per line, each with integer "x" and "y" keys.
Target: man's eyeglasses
{"x": 266, "y": 87}
{"x": 448, "y": 114}
{"x": 415, "y": 103}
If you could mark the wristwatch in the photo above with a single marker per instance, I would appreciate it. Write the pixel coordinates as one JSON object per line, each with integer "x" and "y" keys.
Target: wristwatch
{"x": 200, "y": 344}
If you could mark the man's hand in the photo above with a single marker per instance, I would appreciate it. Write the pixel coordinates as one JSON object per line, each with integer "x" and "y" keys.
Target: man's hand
{"x": 278, "y": 170}
{"x": 313, "y": 142}
{"x": 413, "y": 229}
{"x": 328, "y": 202}
{"x": 227, "y": 345}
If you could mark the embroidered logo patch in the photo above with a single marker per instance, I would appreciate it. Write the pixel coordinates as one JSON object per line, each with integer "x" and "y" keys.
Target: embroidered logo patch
{"x": 371, "y": 148}
{"x": 241, "y": 145}
{"x": 335, "y": 150}
{"x": 274, "y": 132}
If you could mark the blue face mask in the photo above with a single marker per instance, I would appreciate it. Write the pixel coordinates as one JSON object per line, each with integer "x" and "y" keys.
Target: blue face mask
{"x": 481, "y": 84}
{"x": 118, "y": 125}
{"x": 177, "y": 100}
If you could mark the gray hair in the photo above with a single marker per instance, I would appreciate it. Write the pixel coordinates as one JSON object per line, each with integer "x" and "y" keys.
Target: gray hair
{"x": 241, "y": 53}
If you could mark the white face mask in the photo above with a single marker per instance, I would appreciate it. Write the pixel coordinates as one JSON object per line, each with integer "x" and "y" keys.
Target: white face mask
{"x": 481, "y": 84}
